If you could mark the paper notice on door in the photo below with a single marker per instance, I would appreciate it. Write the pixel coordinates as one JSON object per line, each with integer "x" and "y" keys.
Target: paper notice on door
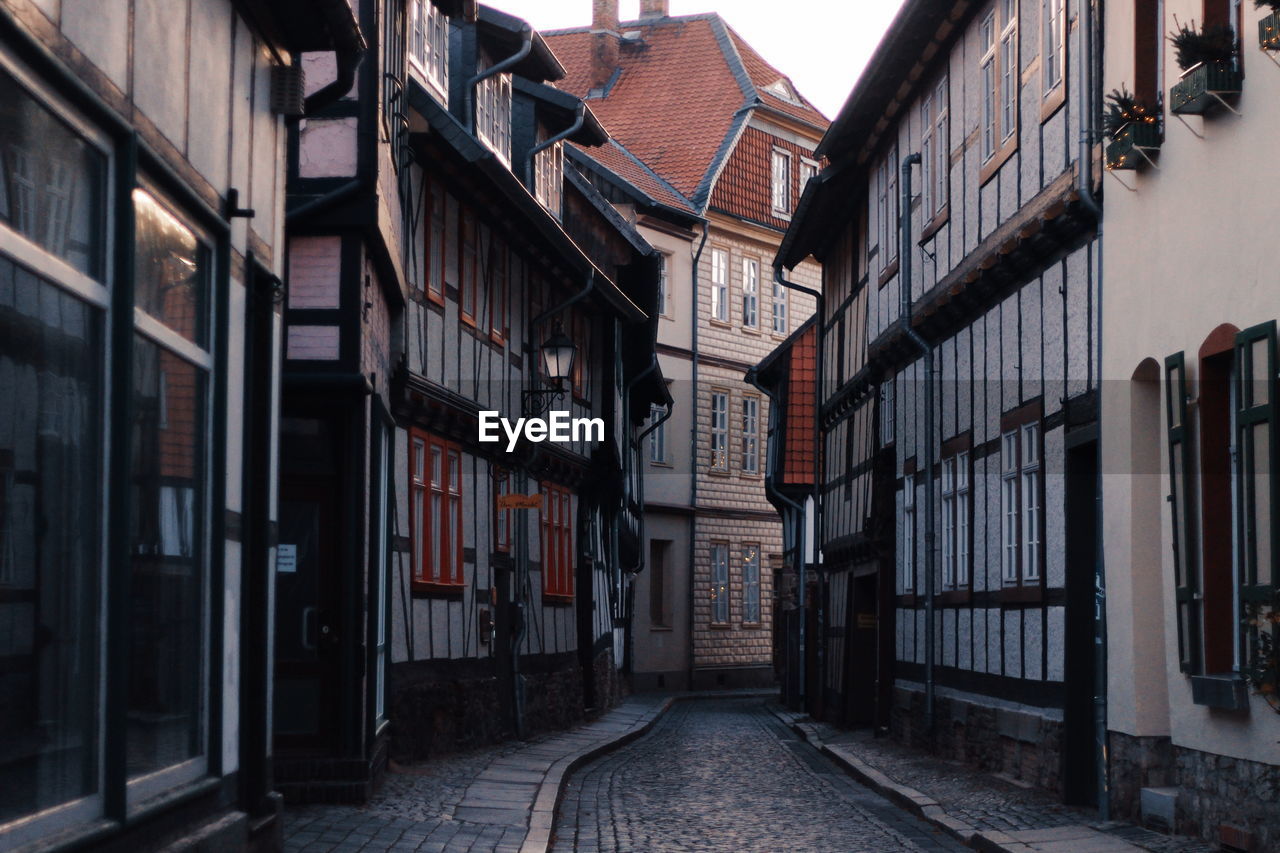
{"x": 286, "y": 558}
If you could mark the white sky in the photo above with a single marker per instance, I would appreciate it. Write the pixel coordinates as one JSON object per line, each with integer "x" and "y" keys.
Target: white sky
{"x": 822, "y": 45}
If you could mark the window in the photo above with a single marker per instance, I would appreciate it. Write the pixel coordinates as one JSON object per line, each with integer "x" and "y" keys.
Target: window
{"x": 750, "y": 293}
{"x": 1021, "y": 499}
{"x": 436, "y": 511}
{"x": 886, "y": 411}
{"x": 884, "y": 213}
{"x": 493, "y": 114}
{"x": 658, "y": 438}
{"x": 659, "y": 610}
{"x": 1053, "y": 58}
{"x": 429, "y": 45}
{"x": 436, "y": 229}
{"x": 751, "y": 584}
{"x": 750, "y": 435}
{"x": 781, "y": 176}
{"x": 720, "y": 285}
{"x": 557, "y": 541}
{"x": 779, "y": 309}
{"x": 908, "y": 534}
{"x": 720, "y": 583}
{"x": 999, "y": 72}
{"x": 1182, "y": 507}
{"x": 808, "y": 169}
{"x": 664, "y": 297}
{"x": 501, "y": 517}
{"x": 955, "y": 520}
{"x": 497, "y": 275}
{"x": 719, "y": 431}
{"x": 468, "y": 262}
{"x": 548, "y": 179}
{"x": 1148, "y": 52}
{"x": 935, "y": 157}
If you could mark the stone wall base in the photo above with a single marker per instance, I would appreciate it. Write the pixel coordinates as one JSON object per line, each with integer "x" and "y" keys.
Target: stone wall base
{"x": 1016, "y": 742}
{"x": 728, "y": 678}
{"x": 1229, "y": 800}
{"x": 1136, "y": 763}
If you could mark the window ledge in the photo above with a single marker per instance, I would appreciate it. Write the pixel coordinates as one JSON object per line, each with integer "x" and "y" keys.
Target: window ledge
{"x": 888, "y": 273}
{"x": 1226, "y": 691}
{"x": 935, "y": 225}
{"x": 434, "y": 589}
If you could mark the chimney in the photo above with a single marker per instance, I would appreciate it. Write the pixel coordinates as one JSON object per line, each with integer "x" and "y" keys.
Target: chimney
{"x": 604, "y": 49}
{"x": 654, "y": 8}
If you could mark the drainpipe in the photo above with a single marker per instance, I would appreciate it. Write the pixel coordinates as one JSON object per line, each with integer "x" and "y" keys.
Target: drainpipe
{"x": 350, "y": 50}
{"x": 693, "y": 443}
{"x": 801, "y": 564}
{"x": 1090, "y": 124}
{"x": 469, "y": 93}
{"x": 578, "y": 119}
{"x": 904, "y": 301}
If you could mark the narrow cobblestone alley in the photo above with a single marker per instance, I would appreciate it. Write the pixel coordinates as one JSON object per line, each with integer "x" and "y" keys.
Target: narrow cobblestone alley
{"x": 727, "y": 775}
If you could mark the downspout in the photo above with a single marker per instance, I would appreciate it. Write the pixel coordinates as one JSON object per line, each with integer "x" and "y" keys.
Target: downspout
{"x": 578, "y": 120}
{"x": 693, "y": 444}
{"x": 337, "y": 14}
{"x": 802, "y": 524}
{"x": 469, "y": 93}
{"x": 904, "y": 302}
{"x": 1090, "y": 202}
{"x": 798, "y": 536}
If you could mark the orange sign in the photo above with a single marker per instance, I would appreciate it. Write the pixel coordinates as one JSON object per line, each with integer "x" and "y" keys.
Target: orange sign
{"x": 519, "y": 501}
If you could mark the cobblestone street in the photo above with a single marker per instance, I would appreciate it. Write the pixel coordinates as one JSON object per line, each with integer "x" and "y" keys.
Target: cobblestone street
{"x": 727, "y": 775}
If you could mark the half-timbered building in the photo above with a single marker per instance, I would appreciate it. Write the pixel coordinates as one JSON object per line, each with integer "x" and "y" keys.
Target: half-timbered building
{"x": 711, "y": 148}
{"x": 141, "y": 251}
{"x": 959, "y": 330}
{"x": 1189, "y": 429}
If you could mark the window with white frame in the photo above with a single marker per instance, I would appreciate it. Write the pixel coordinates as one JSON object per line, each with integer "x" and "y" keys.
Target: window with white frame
{"x": 884, "y": 209}
{"x": 750, "y": 293}
{"x": 781, "y": 182}
{"x": 999, "y": 72}
{"x": 955, "y": 520}
{"x": 908, "y": 533}
{"x": 886, "y": 411}
{"x": 720, "y": 285}
{"x": 750, "y": 435}
{"x": 720, "y": 583}
{"x": 1021, "y": 501}
{"x": 1054, "y": 27}
{"x": 719, "y": 431}
{"x": 935, "y": 159}
{"x": 658, "y": 438}
{"x": 808, "y": 169}
{"x": 493, "y": 114}
{"x": 664, "y": 297}
{"x": 751, "y": 584}
{"x": 779, "y": 309}
{"x": 429, "y": 45}
{"x": 548, "y": 177}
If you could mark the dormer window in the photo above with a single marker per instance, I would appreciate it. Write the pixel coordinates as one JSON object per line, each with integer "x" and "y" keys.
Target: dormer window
{"x": 493, "y": 114}
{"x": 780, "y": 88}
{"x": 429, "y": 46}
{"x": 548, "y": 177}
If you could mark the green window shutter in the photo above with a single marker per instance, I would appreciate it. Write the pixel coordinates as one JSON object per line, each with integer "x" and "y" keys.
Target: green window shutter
{"x": 1256, "y": 481}
{"x": 1183, "y": 508}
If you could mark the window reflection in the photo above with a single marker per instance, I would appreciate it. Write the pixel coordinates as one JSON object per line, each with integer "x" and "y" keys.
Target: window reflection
{"x": 50, "y": 453}
{"x": 51, "y": 181}
{"x": 171, "y": 270}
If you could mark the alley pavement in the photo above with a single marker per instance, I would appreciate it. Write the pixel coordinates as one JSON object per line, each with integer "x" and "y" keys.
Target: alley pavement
{"x": 728, "y": 776}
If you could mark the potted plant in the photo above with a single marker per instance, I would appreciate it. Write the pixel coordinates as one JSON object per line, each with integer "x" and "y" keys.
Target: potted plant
{"x": 1269, "y": 27}
{"x": 1210, "y": 73}
{"x": 1262, "y": 626}
{"x": 1134, "y": 129}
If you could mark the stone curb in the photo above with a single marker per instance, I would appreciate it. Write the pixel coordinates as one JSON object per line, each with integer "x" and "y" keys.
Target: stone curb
{"x": 551, "y": 790}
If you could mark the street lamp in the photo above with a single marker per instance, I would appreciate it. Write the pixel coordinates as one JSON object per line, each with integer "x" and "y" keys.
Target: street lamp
{"x": 558, "y": 355}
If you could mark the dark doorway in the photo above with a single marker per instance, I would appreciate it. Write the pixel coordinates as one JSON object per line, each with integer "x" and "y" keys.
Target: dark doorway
{"x": 307, "y": 700}
{"x": 864, "y": 645}
{"x": 1079, "y": 748}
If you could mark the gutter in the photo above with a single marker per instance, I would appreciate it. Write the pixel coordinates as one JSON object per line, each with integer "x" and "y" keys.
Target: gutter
{"x": 801, "y": 565}
{"x": 469, "y": 93}
{"x": 905, "y": 249}
{"x": 350, "y": 48}
{"x": 580, "y": 116}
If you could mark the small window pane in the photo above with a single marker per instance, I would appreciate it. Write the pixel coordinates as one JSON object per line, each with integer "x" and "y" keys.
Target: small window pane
{"x": 1260, "y": 474}
{"x": 171, "y": 270}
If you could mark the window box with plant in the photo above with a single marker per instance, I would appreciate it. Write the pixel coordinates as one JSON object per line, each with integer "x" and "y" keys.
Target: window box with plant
{"x": 1269, "y": 27}
{"x": 1210, "y": 72}
{"x": 1134, "y": 129}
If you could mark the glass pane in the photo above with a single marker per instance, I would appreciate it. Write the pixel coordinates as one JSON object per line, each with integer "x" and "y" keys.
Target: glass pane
{"x": 1259, "y": 390}
{"x": 50, "y": 548}
{"x": 171, "y": 275}
{"x": 419, "y": 463}
{"x": 1175, "y": 401}
{"x": 166, "y": 617}
{"x": 1260, "y": 475}
{"x": 51, "y": 181}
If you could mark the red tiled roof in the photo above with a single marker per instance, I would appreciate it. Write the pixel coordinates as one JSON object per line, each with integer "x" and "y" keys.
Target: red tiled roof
{"x": 676, "y": 99}
{"x": 763, "y": 75}
{"x": 614, "y": 157}
{"x": 799, "y": 450}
